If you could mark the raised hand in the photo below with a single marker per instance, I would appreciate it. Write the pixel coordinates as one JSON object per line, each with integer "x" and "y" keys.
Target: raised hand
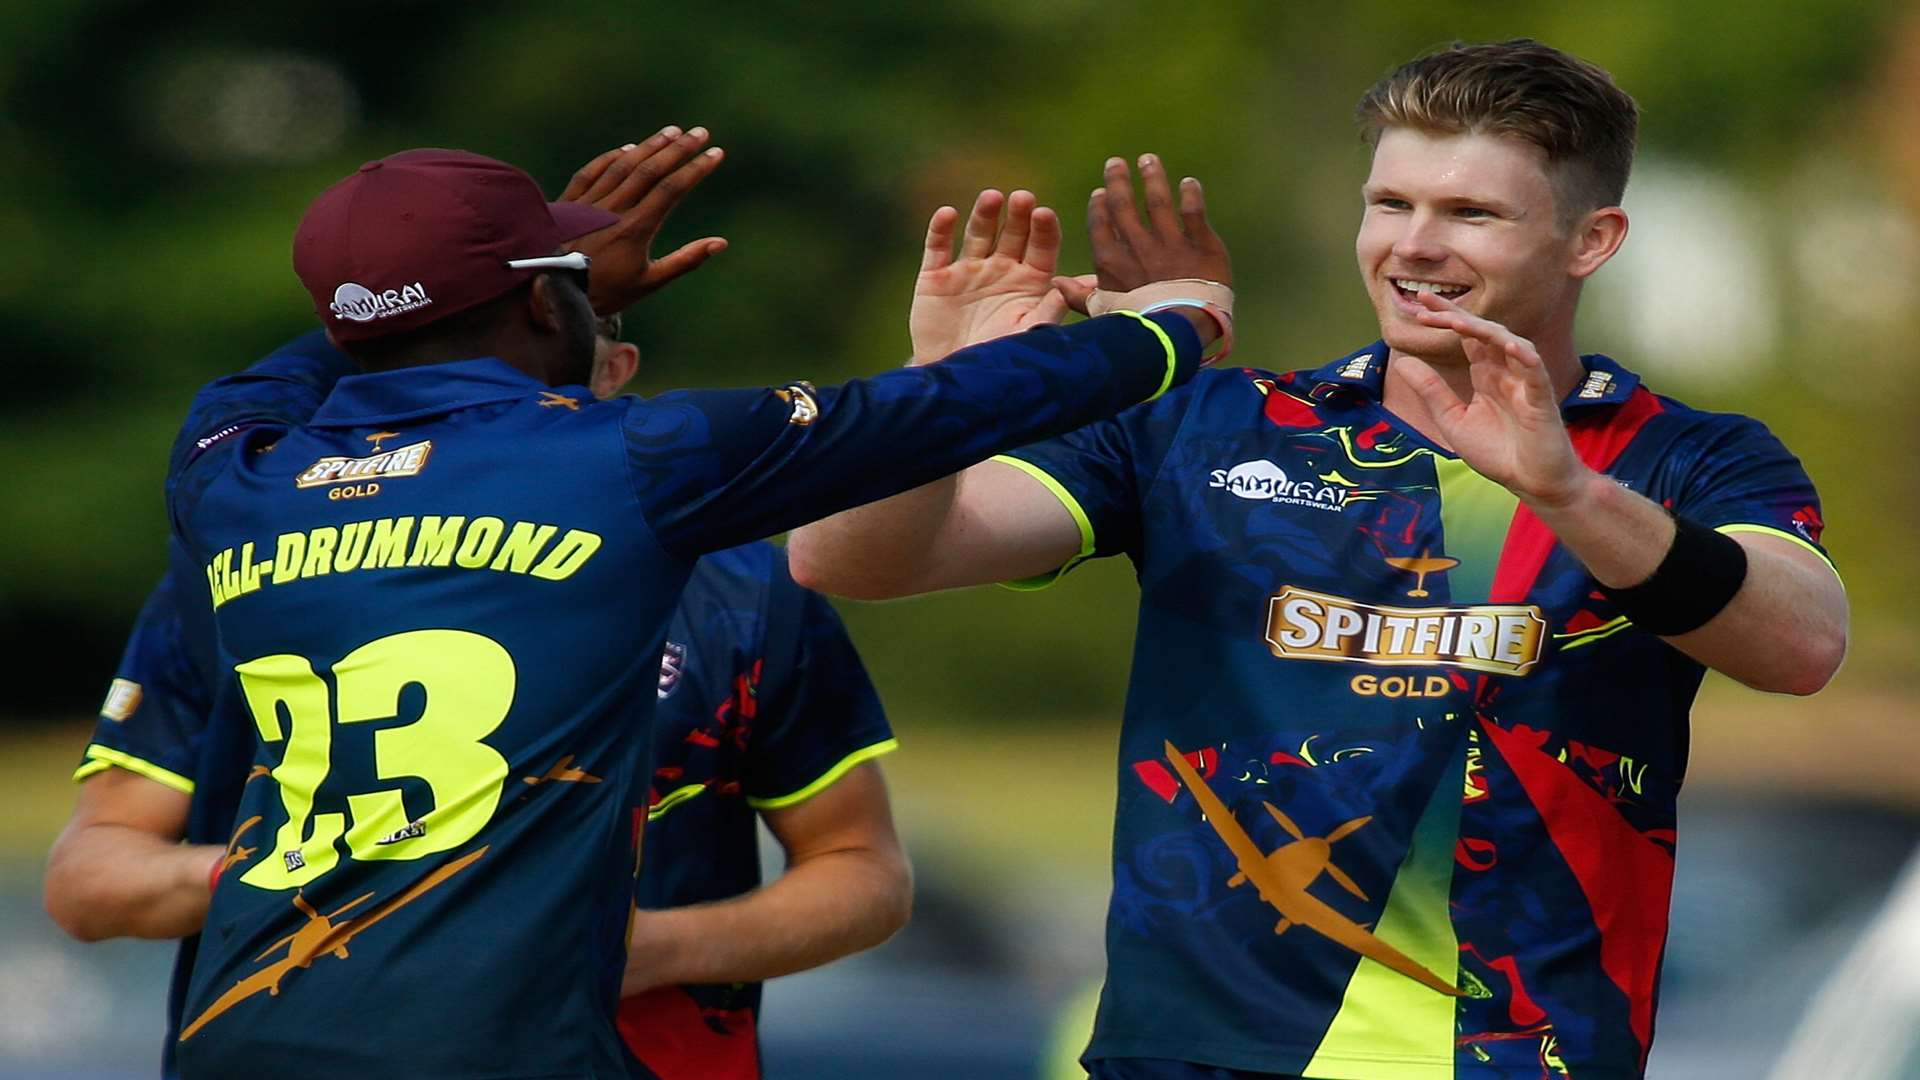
{"x": 1175, "y": 241}
{"x": 1001, "y": 283}
{"x": 1511, "y": 432}
{"x": 642, "y": 183}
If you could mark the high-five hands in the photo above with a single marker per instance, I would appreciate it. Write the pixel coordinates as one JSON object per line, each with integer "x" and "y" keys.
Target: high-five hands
{"x": 1511, "y": 432}
{"x": 642, "y": 183}
{"x": 1175, "y": 243}
{"x": 1001, "y": 283}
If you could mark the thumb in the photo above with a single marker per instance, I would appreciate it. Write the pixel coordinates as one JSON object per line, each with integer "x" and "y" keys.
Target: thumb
{"x": 1076, "y": 291}
{"x": 1051, "y": 309}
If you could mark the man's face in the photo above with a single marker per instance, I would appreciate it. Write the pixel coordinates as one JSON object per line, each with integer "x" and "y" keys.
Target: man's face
{"x": 1472, "y": 217}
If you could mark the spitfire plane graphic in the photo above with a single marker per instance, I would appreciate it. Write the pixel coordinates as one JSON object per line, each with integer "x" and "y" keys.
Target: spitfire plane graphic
{"x": 321, "y": 936}
{"x": 1282, "y": 877}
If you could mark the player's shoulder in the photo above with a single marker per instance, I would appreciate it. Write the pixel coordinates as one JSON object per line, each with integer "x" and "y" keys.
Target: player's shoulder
{"x": 1679, "y": 423}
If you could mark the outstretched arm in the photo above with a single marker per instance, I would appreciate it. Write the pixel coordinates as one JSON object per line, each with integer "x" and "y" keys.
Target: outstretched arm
{"x": 119, "y": 870}
{"x": 993, "y": 522}
{"x": 847, "y": 887}
{"x": 1785, "y": 630}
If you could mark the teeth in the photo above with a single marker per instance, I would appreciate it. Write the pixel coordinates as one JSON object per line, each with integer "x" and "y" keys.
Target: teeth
{"x": 1428, "y": 286}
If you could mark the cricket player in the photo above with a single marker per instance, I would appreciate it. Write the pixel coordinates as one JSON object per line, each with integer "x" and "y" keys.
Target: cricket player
{"x": 454, "y": 580}
{"x": 1419, "y": 627}
{"x": 765, "y": 710}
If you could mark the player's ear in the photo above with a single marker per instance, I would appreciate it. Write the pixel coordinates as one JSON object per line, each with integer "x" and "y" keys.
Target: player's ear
{"x": 614, "y": 365}
{"x": 542, "y": 305}
{"x": 1597, "y": 235}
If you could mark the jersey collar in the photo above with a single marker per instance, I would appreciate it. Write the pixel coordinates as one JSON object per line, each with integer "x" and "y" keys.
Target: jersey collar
{"x": 1363, "y": 374}
{"x": 409, "y": 393}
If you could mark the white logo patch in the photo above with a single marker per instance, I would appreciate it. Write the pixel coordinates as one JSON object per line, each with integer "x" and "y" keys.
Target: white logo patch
{"x": 1263, "y": 481}
{"x": 673, "y": 664}
{"x": 123, "y": 697}
{"x": 357, "y": 303}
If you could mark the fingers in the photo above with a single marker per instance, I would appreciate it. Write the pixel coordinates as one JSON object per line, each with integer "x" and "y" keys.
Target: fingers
{"x": 1043, "y": 246}
{"x": 684, "y": 260}
{"x": 615, "y": 166}
{"x": 1013, "y": 235}
{"x": 645, "y": 170}
{"x": 1110, "y": 255}
{"x": 1119, "y": 197}
{"x": 674, "y": 186}
{"x": 1418, "y": 376}
{"x": 1075, "y": 291}
{"x": 1159, "y": 197}
{"x": 977, "y": 242}
{"x": 1445, "y": 314}
{"x": 584, "y": 177}
{"x": 1193, "y": 213}
{"x": 939, "y": 251}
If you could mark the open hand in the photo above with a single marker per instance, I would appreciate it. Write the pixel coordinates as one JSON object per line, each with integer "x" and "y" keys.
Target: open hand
{"x": 1001, "y": 283}
{"x": 642, "y": 183}
{"x": 1511, "y": 432}
{"x": 1175, "y": 242}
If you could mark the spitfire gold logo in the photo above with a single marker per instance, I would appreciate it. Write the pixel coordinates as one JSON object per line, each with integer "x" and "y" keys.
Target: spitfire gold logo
{"x": 383, "y": 465}
{"x": 1504, "y": 639}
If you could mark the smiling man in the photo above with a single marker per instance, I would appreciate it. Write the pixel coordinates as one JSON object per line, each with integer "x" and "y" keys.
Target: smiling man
{"x": 1419, "y": 628}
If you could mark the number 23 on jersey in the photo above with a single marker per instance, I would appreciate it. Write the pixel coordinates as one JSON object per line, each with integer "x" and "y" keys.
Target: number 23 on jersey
{"x": 469, "y": 684}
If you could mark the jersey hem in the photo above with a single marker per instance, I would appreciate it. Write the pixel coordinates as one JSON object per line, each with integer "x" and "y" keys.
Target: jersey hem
{"x": 100, "y": 757}
{"x": 1079, "y": 513}
{"x": 828, "y": 778}
{"x": 1274, "y": 1058}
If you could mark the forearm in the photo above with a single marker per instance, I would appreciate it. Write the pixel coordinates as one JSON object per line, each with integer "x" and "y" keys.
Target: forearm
{"x": 834, "y": 904}
{"x": 878, "y": 551}
{"x": 107, "y": 880}
{"x": 1783, "y": 631}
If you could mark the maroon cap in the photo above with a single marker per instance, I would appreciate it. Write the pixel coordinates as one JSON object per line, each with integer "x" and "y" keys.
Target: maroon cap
{"x": 423, "y": 234}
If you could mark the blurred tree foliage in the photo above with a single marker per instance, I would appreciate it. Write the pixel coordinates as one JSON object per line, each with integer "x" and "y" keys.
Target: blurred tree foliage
{"x": 159, "y": 155}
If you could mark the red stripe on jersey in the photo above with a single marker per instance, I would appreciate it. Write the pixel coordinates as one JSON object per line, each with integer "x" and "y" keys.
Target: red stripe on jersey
{"x": 1599, "y": 440}
{"x": 1626, "y": 877}
{"x": 1288, "y": 411}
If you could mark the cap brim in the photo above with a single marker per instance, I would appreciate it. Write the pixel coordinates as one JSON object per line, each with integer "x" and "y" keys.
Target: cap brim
{"x": 578, "y": 219}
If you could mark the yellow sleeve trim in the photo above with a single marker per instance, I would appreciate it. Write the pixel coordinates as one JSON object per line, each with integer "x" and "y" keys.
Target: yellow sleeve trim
{"x": 1784, "y": 535}
{"x": 672, "y": 799}
{"x": 99, "y": 757}
{"x": 828, "y": 778}
{"x": 1173, "y": 358}
{"x": 1034, "y": 584}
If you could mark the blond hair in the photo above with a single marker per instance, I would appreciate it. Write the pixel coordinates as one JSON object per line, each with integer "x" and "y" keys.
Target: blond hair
{"x": 1521, "y": 89}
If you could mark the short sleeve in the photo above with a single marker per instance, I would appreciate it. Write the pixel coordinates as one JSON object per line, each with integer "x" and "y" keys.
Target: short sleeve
{"x": 1743, "y": 479}
{"x": 1101, "y": 474}
{"x": 156, "y": 707}
{"x": 819, "y": 715}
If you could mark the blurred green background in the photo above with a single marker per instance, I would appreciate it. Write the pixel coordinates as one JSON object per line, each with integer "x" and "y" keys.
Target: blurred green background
{"x": 158, "y": 156}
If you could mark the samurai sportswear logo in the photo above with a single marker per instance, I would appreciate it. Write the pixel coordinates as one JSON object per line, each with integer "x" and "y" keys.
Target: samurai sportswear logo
{"x": 1264, "y": 481}
{"x": 357, "y": 303}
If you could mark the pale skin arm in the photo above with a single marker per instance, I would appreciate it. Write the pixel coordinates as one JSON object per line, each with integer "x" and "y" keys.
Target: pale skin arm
{"x": 1785, "y": 631}
{"x": 993, "y": 522}
{"x": 118, "y": 869}
{"x": 847, "y": 887}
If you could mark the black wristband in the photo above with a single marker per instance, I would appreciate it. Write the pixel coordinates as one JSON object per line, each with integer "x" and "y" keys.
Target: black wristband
{"x": 1699, "y": 576}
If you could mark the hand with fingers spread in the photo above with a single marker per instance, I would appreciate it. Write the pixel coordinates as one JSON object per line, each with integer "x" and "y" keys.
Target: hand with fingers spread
{"x": 642, "y": 183}
{"x": 1001, "y": 284}
{"x": 1175, "y": 242}
{"x": 1511, "y": 432}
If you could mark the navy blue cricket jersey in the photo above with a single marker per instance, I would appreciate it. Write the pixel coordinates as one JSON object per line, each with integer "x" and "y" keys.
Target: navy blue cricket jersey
{"x": 441, "y": 598}
{"x": 1396, "y": 781}
{"x": 763, "y": 704}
